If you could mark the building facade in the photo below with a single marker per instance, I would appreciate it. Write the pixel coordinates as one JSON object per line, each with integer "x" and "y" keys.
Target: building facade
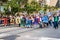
{"x": 58, "y": 3}
{"x": 50, "y": 2}
{"x": 53, "y": 3}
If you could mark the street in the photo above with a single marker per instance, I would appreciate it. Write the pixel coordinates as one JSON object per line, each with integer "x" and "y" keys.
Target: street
{"x": 18, "y": 33}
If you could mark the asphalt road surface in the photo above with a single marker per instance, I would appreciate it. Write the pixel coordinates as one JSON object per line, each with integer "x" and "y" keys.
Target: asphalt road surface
{"x": 17, "y": 33}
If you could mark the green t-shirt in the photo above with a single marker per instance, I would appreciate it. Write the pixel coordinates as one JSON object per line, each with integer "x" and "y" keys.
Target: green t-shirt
{"x": 56, "y": 18}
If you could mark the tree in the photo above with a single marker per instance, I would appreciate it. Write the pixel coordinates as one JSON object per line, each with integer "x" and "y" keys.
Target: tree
{"x": 45, "y": 8}
{"x": 33, "y": 6}
{"x": 15, "y": 5}
{"x": 22, "y": 1}
{"x": 3, "y": 0}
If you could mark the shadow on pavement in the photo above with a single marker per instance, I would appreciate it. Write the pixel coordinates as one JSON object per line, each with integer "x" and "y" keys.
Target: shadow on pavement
{"x": 12, "y": 37}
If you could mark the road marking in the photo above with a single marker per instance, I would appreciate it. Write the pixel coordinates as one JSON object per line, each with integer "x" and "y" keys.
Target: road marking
{"x": 26, "y": 36}
{"x": 36, "y": 38}
{"x": 4, "y": 35}
{"x": 46, "y": 38}
{"x": 1, "y": 39}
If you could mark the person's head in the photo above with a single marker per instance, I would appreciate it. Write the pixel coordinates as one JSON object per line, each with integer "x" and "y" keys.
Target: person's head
{"x": 4, "y": 17}
{"x": 29, "y": 17}
{"x": 55, "y": 14}
{"x": 49, "y": 10}
{"x": 44, "y": 14}
{"x": 59, "y": 14}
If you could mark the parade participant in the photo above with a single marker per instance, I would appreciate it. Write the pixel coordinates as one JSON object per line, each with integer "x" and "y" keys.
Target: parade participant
{"x": 27, "y": 20}
{"x": 0, "y": 20}
{"x": 5, "y": 21}
{"x": 49, "y": 13}
{"x": 50, "y": 20}
{"x": 18, "y": 20}
{"x": 38, "y": 18}
{"x": 59, "y": 19}
{"x": 35, "y": 21}
{"x": 32, "y": 18}
{"x": 12, "y": 20}
{"x": 8, "y": 20}
{"x": 22, "y": 24}
{"x": 40, "y": 22}
{"x": 30, "y": 22}
{"x": 55, "y": 21}
{"x": 45, "y": 20}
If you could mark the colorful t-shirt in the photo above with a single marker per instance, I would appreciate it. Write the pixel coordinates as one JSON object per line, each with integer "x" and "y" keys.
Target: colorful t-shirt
{"x": 56, "y": 18}
{"x": 17, "y": 20}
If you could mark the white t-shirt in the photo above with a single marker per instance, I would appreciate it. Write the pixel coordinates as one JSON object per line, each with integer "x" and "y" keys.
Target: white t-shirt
{"x": 59, "y": 18}
{"x": 21, "y": 17}
{"x": 52, "y": 19}
{"x": 49, "y": 14}
{"x": 40, "y": 19}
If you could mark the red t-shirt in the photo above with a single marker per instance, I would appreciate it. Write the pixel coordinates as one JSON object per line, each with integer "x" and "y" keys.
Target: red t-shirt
{"x": 38, "y": 20}
{"x": 5, "y": 21}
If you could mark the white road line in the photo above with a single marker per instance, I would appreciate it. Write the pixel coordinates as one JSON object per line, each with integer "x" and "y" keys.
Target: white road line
{"x": 36, "y": 38}
{"x": 4, "y": 35}
{"x": 47, "y": 38}
{"x": 1, "y": 39}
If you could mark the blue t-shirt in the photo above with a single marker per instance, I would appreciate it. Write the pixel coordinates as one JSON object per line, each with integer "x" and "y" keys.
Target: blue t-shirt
{"x": 45, "y": 19}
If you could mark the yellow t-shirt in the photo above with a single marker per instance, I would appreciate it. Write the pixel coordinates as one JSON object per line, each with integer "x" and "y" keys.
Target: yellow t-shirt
{"x": 12, "y": 21}
{"x": 17, "y": 20}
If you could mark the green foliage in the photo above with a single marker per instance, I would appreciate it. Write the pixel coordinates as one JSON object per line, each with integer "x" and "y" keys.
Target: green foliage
{"x": 15, "y": 6}
{"x": 33, "y": 6}
{"x": 45, "y": 7}
{"x": 23, "y": 1}
{"x": 30, "y": 8}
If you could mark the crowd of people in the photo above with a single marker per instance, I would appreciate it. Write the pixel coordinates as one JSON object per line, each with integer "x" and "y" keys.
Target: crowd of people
{"x": 33, "y": 20}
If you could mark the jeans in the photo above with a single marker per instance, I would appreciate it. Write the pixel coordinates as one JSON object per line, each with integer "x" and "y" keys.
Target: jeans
{"x": 50, "y": 22}
{"x": 55, "y": 24}
{"x": 40, "y": 25}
